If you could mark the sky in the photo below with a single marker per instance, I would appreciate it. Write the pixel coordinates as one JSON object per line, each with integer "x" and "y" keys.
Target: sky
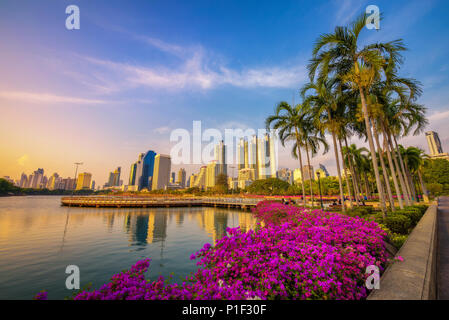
{"x": 137, "y": 70}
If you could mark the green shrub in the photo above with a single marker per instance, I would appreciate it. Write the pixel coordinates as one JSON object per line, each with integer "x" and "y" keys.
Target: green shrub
{"x": 398, "y": 240}
{"x": 360, "y": 211}
{"x": 398, "y": 223}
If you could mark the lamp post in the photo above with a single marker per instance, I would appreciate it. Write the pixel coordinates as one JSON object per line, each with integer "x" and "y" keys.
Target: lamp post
{"x": 76, "y": 172}
{"x": 319, "y": 186}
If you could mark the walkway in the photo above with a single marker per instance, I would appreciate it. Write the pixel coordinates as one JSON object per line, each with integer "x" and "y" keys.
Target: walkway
{"x": 443, "y": 249}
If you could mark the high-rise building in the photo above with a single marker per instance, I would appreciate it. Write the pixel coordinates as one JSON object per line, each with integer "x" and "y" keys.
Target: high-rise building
{"x": 308, "y": 172}
{"x": 132, "y": 174}
{"x": 213, "y": 170}
{"x": 434, "y": 143}
{"x": 297, "y": 176}
{"x": 23, "y": 181}
{"x": 114, "y": 178}
{"x": 52, "y": 181}
{"x": 435, "y": 148}
{"x": 36, "y": 179}
{"x": 181, "y": 177}
{"x": 242, "y": 154}
{"x": 253, "y": 161}
{"x": 92, "y": 185}
{"x": 266, "y": 157}
{"x": 172, "y": 177}
{"x": 161, "y": 175}
{"x": 200, "y": 179}
{"x": 246, "y": 177}
{"x": 84, "y": 181}
{"x": 145, "y": 169}
{"x": 286, "y": 175}
{"x": 220, "y": 157}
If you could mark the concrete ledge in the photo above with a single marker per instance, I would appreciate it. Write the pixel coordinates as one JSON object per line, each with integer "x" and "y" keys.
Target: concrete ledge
{"x": 415, "y": 277}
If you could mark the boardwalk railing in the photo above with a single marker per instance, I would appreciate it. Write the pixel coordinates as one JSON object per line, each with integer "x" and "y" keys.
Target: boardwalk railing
{"x": 118, "y": 202}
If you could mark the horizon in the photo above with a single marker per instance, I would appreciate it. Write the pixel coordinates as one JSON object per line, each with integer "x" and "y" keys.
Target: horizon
{"x": 133, "y": 73}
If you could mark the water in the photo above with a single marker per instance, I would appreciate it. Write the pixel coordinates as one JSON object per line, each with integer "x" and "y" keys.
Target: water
{"x": 39, "y": 239}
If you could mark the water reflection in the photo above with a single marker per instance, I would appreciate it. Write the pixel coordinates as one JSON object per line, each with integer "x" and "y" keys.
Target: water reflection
{"x": 39, "y": 238}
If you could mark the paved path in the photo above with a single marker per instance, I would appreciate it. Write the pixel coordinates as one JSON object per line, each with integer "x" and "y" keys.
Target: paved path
{"x": 443, "y": 249}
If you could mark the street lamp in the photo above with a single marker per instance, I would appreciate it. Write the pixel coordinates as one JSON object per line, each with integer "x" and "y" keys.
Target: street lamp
{"x": 319, "y": 186}
{"x": 76, "y": 172}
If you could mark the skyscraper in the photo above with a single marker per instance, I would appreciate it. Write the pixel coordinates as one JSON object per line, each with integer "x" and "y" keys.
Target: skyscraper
{"x": 161, "y": 176}
{"x": 435, "y": 148}
{"x": 213, "y": 170}
{"x": 84, "y": 181}
{"x": 114, "y": 178}
{"x": 266, "y": 157}
{"x": 36, "y": 179}
{"x": 242, "y": 154}
{"x": 144, "y": 170}
{"x": 172, "y": 177}
{"x": 220, "y": 157}
{"x": 181, "y": 177}
{"x": 132, "y": 174}
{"x": 434, "y": 143}
{"x": 23, "y": 180}
{"x": 253, "y": 161}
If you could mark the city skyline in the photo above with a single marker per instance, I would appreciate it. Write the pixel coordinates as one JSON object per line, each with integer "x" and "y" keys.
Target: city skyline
{"x": 128, "y": 77}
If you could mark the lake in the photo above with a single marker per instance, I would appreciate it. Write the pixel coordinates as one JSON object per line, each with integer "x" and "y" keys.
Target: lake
{"x": 39, "y": 238}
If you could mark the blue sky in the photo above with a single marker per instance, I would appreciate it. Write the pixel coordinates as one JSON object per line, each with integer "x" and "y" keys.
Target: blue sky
{"x": 136, "y": 70}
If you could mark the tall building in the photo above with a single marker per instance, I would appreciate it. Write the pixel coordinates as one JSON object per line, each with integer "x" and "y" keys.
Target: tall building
{"x": 145, "y": 169}
{"x": 286, "y": 175}
{"x": 200, "y": 179}
{"x": 242, "y": 154}
{"x": 266, "y": 157}
{"x": 173, "y": 177}
{"x": 161, "y": 172}
{"x": 308, "y": 172}
{"x": 36, "y": 179}
{"x": 435, "y": 148}
{"x": 253, "y": 161}
{"x": 246, "y": 177}
{"x": 181, "y": 177}
{"x": 23, "y": 181}
{"x": 220, "y": 157}
{"x": 213, "y": 170}
{"x": 297, "y": 176}
{"x": 434, "y": 143}
{"x": 132, "y": 174}
{"x": 114, "y": 178}
{"x": 52, "y": 181}
{"x": 84, "y": 181}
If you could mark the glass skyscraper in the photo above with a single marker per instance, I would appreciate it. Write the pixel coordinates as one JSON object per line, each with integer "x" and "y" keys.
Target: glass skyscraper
{"x": 144, "y": 169}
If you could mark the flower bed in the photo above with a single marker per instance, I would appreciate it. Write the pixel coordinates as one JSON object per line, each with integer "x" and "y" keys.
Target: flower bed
{"x": 296, "y": 254}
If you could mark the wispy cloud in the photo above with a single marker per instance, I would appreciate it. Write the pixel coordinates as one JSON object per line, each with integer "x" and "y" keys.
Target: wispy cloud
{"x": 45, "y": 98}
{"x": 23, "y": 160}
{"x": 348, "y": 10}
{"x": 162, "y": 130}
{"x": 197, "y": 72}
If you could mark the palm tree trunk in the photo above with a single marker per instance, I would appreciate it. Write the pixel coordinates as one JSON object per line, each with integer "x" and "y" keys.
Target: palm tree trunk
{"x": 354, "y": 176}
{"x": 348, "y": 187}
{"x": 399, "y": 171}
{"x": 393, "y": 172}
{"x": 343, "y": 208}
{"x": 401, "y": 161}
{"x": 384, "y": 169}
{"x": 373, "y": 152}
{"x": 423, "y": 186}
{"x": 304, "y": 201}
{"x": 310, "y": 174}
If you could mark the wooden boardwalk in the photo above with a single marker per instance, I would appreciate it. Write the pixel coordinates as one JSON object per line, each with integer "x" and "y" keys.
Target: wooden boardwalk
{"x": 147, "y": 202}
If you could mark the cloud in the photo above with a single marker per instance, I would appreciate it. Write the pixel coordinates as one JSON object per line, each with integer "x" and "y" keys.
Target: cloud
{"x": 196, "y": 69}
{"x": 22, "y": 160}
{"x": 347, "y": 10}
{"x": 45, "y": 98}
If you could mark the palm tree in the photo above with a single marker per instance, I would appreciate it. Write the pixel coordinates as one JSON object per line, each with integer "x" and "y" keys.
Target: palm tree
{"x": 311, "y": 137}
{"x": 324, "y": 107}
{"x": 338, "y": 55}
{"x": 289, "y": 121}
